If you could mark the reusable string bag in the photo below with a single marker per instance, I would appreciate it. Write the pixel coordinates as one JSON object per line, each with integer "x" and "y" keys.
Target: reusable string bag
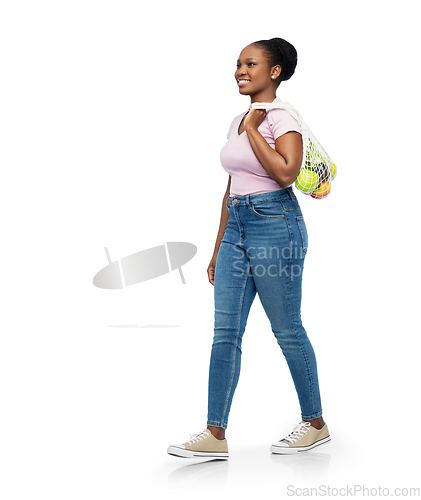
{"x": 317, "y": 169}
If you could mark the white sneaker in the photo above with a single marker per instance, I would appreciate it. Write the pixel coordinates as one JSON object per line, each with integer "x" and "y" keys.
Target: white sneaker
{"x": 202, "y": 445}
{"x": 304, "y": 437}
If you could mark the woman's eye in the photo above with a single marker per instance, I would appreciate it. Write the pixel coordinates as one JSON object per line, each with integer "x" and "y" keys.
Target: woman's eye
{"x": 248, "y": 64}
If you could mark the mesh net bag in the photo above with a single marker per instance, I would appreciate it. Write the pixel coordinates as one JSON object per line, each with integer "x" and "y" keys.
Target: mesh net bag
{"x": 317, "y": 169}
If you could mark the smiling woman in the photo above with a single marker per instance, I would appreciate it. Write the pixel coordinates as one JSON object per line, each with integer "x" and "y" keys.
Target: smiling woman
{"x": 277, "y": 159}
{"x": 274, "y": 58}
{"x": 260, "y": 214}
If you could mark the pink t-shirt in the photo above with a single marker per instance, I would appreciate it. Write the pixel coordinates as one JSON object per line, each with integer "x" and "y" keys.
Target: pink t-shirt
{"x": 238, "y": 159}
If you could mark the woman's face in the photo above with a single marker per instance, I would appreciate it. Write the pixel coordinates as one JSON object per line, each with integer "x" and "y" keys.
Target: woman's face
{"x": 253, "y": 74}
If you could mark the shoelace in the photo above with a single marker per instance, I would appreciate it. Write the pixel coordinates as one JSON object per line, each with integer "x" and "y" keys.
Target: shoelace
{"x": 298, "y": 432}
{"x": 195, "y": 438}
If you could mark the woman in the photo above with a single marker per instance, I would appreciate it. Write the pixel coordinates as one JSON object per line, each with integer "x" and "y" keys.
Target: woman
{"x": 260, "y": 248}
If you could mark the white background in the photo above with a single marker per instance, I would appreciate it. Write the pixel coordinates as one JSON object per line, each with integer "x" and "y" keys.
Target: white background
{"x": 113, "y": 115}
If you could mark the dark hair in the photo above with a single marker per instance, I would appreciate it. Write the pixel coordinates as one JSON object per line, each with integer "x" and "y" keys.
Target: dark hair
{"x": 281, "y": 52}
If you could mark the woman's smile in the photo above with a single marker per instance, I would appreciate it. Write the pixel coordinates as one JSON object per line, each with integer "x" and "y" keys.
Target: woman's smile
{"x": 242, "y": 82}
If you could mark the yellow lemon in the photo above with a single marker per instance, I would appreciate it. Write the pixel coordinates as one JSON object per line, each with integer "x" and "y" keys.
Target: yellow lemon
{"x": 333, "y": 170}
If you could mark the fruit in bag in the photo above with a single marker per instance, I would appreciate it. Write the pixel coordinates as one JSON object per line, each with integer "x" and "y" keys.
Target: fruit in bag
{"x": 323, "y": 171}
{"x": 307, "y": 180}
{"x": 322, "y": 191}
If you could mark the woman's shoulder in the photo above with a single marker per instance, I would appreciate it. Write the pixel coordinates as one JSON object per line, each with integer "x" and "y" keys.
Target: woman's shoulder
{"x": 278, "y": 113}
{"x": 281, "y": 121}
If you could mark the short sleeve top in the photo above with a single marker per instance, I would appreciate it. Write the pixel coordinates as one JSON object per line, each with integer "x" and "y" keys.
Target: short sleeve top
{"x": 238, "y": 159}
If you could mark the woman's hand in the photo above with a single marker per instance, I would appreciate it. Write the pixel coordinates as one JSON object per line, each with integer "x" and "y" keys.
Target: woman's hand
{"x": 211, "y": 270}
{"x": 282, "y": 163}
{"x": 254, "y": 118}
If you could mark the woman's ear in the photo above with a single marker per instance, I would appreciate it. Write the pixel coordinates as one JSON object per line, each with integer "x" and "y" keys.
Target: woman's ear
{"x": 275, "y": 72}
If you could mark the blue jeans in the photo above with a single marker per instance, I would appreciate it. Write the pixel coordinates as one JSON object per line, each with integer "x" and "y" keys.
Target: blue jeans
{"x": 263, "y": 251}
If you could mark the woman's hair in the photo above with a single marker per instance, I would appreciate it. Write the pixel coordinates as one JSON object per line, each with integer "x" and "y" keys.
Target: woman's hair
{"x": 281, "y": 52}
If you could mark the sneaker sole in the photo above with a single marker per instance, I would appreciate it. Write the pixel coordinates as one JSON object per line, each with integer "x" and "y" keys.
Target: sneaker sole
{"x": 280, "y": 450}
{"x": 183, "y": 453}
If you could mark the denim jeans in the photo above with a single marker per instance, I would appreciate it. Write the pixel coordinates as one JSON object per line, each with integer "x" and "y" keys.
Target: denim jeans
{"x": 262, "y": 250}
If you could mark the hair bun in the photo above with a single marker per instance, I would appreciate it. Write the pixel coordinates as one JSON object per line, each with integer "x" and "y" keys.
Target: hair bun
{"x": 289, "y": 55}
{"x": 283, "y": 53}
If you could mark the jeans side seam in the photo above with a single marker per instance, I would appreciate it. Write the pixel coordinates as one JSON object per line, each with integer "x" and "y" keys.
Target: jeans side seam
{"x": 309, "y": 374}
{"x": 236, "y": 342}
{"x": 288, "y": 226}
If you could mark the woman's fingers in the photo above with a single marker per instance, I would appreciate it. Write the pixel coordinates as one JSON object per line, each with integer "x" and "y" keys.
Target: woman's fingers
{"x": 254, "y": 118}
{"x": 211, "y": 273}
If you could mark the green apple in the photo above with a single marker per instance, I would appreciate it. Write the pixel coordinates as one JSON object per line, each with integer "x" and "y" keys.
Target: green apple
{"x": 307, "y": 180}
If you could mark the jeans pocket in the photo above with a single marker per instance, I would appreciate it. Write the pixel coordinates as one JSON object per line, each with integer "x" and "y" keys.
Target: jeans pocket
{"x": 269, "y": 209}
{"x": 303, "y": 231}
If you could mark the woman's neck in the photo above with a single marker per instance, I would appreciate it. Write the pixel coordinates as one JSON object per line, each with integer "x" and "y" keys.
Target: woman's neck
{"x": 263, "y": 97}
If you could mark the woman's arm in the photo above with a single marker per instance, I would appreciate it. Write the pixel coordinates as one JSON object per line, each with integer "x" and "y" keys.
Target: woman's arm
{"x": 221, "y": 230}
{"x": 282, "y": 163}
